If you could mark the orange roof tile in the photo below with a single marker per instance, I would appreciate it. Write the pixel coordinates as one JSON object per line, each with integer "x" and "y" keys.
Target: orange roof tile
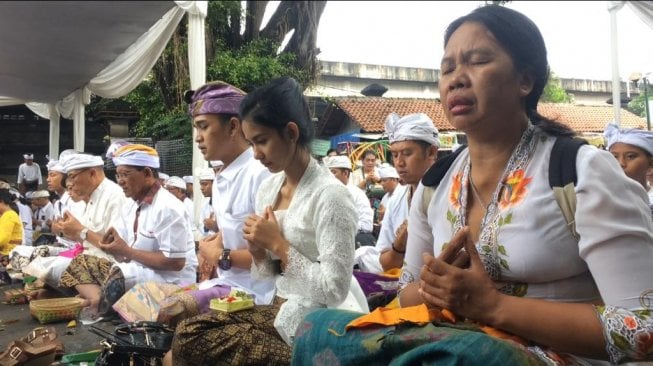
{"x": 370, "y": 113}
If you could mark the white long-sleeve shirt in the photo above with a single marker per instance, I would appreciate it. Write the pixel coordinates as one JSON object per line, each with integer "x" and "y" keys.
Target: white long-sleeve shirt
{"x": 29, "y": 173}
{"x": 364, "y": 211}
{"x": 320, "y": 225}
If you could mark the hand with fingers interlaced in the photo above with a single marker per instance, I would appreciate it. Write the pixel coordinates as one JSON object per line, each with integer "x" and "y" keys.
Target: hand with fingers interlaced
{"x": 263, "y": 233}
{"x": 456, "y": 280}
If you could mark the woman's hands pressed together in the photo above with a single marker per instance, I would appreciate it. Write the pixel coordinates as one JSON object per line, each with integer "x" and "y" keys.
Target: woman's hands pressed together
{"x": 263, "y": 233}
{"x": 457, "y": 281}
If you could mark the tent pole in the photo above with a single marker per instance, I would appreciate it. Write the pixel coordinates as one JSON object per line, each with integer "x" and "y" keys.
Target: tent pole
{"x": 54, "y": 132}
{"x": 616, "y": 83}
{"x": 197, "y": 71}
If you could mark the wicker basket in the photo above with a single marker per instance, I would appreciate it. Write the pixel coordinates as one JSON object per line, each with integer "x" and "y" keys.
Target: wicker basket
{"x": 55, "y": 310}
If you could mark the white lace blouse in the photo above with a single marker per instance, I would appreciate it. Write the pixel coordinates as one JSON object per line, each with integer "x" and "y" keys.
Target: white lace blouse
{"x": 320, "y": 224}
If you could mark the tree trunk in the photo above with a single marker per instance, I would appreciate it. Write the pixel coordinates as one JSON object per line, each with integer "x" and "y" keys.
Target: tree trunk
{"x": 303, "y": 41}
{"x": 304, "y": 18}
{"x": 255, "y": 10}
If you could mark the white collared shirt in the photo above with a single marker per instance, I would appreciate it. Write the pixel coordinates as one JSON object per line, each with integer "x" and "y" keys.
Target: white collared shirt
{"x": 207, "y": 211}
{"x": 101, "y": 212}
{"x": 234, "y": 195}
{"x": 25, "y": 214}
{"x": 66, "y": 204}
{"x": 363, "y": 208}
{"x": 43, "y": 214}
{"x": 29, "y": 173}
{"x": 162, "y": 226}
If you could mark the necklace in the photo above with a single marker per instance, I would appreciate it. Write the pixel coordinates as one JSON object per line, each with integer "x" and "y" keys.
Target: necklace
{"x": 475, "y": 192}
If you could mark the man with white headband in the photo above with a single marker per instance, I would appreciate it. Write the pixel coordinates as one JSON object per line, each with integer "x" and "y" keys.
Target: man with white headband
{"x": 389, "y": 182}
{"x": 151, "y": 240}
{"x": 177, "y": 187}
{"x": 29, "y": 175}
{"x": 340, "y": 167}
{"x": 57, "y": 183}
{"x": 208, "y": 223}
{"x": 188, "y": 179}
{"x": 103, "y": 198}
{"x": 414, "y": 145}
{"x": 43, "y": 216}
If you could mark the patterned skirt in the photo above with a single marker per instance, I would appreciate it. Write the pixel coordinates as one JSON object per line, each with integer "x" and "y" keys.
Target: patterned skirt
{"x": 86, "y": 269}
{"x": 321, "y": 340}
{"x": 245, "y": 337}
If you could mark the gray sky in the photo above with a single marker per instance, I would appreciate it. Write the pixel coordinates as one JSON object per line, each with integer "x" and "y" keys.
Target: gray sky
{"x": 409, "y": 33}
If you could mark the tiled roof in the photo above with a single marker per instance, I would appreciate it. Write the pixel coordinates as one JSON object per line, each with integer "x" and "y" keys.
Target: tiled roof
{"x": 370, "y": 113}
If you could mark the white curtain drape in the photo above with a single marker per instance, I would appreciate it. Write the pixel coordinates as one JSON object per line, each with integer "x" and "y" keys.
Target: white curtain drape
{"x": 117, "y": 79}
{"x": 126, "y": 72}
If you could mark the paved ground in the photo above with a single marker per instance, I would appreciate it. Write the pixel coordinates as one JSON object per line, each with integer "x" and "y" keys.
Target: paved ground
{"x": 17, "y": 323}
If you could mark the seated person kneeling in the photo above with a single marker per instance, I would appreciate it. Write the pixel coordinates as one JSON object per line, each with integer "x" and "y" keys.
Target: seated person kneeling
{"x": 151, "y": 241}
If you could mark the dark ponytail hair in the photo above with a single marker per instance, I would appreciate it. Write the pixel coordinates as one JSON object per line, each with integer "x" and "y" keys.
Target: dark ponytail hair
{"x": 276, "y": 104}
{"x": 522, "y": 40}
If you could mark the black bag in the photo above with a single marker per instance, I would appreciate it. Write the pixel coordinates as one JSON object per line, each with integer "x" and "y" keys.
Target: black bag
{"x": 138, "y": 343}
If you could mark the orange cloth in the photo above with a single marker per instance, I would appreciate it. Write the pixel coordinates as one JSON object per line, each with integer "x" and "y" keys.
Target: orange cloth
{"x": 393, "y": 273}
{"x": 419, "y": 315}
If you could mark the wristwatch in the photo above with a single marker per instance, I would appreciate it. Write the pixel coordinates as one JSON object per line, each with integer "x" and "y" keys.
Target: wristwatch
{"x": 225, "y": 260}
{"x": 82, "y": 234}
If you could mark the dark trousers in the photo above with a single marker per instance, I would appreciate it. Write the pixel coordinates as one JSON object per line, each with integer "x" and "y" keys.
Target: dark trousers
{"x": 364, "y": 238}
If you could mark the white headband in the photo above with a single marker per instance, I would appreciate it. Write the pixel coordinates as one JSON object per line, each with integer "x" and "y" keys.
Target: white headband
{"x": 206, "y": 174}
{"x": 55, "y": 166}
{"x": 339, "y": 161}
{"x": 388, "y": 172}
{"x": 176, "y": 182}
{"x": 636, "y": 137}
{"x": 417, "y": 126}
{"x": 80, "y": 161}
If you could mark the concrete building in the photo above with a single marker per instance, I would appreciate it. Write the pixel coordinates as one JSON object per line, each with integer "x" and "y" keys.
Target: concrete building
{"x": 339, "y": 79}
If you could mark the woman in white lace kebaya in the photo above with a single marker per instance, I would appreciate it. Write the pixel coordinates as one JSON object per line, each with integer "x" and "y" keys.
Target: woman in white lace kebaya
{"x": 303, "y": 234}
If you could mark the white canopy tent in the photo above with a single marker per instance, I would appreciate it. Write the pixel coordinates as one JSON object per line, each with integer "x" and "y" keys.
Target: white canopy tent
{"x": 55, "y": 54}
{"x": 644, "y": 10}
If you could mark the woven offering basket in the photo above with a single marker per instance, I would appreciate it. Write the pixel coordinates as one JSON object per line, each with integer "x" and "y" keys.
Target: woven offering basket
{"x": 55, "y": 310}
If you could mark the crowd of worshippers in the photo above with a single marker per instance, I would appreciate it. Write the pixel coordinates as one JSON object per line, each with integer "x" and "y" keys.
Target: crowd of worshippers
{"x": 478, "y": 232}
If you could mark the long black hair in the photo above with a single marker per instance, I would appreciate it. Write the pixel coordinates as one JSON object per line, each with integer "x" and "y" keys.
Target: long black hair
{"x": 276, "y": 104}
{"x": 522, "y": 40}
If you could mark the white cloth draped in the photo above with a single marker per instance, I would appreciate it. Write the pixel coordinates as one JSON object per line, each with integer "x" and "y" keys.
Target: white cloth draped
{"x": 127, "y": 71}
{"x": 197, "y": 11}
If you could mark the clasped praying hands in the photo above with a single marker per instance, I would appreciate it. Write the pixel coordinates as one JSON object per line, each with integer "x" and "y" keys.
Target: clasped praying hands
{"x": 264, "y": 233}
{"x": 456, "y": 280}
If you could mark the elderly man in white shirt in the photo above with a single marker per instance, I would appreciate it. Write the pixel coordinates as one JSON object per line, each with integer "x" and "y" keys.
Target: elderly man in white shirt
{"x": 151, "y": 240}
{"x": 103, "y": 200}
{"x": 29, "y": 175}
{"x": 340, "y": 167}
{"x": 214, "y": 108}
